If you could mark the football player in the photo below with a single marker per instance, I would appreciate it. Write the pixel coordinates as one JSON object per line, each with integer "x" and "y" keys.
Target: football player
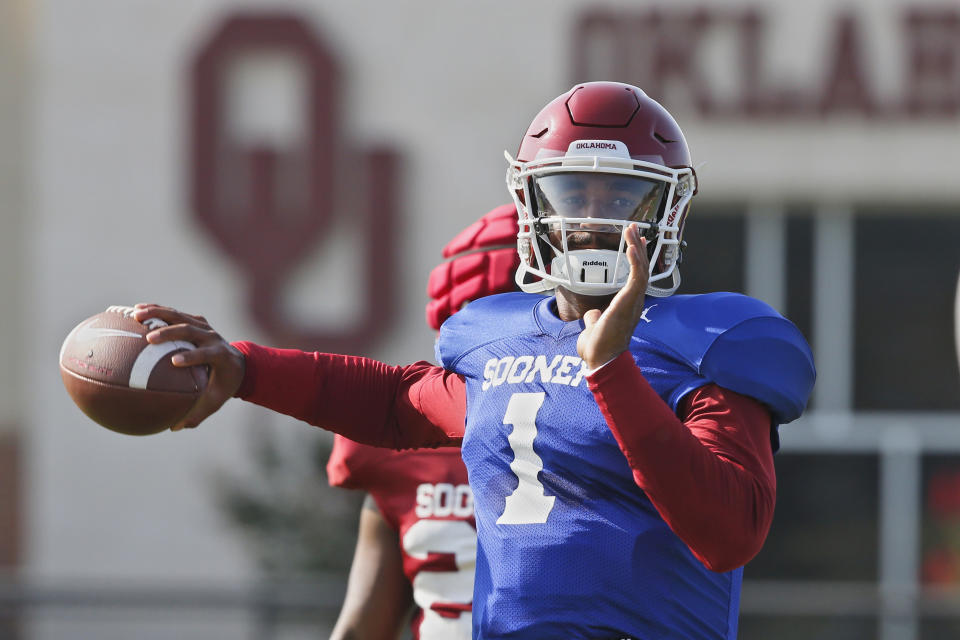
{"x": 417, "y": 540}
{"x": 619, "y": 439}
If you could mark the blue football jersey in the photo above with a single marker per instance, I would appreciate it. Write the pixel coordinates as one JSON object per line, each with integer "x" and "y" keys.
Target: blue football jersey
{"x": 568, "y": 545}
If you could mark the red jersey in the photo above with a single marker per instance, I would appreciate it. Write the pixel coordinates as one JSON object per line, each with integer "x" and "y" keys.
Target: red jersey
{"x": 424, "y": 496}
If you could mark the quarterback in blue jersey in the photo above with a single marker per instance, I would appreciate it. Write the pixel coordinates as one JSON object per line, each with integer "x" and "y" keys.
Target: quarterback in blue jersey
{"x": 619, "y": 438}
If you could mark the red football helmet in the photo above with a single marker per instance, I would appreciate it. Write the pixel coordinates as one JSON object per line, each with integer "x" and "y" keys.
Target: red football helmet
{"x": 597, "y": 158}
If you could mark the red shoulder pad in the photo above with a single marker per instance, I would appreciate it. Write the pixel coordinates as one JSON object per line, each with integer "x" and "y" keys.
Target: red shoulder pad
{"x": 496, "y": 229}
{"x": 349, "y": 463}
{"x": 482, "y": 261}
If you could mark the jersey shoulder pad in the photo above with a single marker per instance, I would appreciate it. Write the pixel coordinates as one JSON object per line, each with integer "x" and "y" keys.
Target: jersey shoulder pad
{"x": 744, "y": 345}
{"x": 483, "y": 321}
{"x": 352, "y": 465}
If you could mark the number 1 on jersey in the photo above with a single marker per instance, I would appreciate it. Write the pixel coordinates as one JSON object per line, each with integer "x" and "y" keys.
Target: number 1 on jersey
{"x": 527, "y": 504}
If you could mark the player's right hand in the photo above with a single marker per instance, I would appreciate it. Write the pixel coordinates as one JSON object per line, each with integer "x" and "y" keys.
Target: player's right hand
{"x": 225, "y": 362}
{"x": 607, "y": 334}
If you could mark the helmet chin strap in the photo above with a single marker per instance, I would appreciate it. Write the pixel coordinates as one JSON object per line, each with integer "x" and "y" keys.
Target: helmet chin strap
{"x": 592, "y": 268}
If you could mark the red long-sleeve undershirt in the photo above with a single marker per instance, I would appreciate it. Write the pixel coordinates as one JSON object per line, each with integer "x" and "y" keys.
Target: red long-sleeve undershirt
{"x": 710, "y": 475}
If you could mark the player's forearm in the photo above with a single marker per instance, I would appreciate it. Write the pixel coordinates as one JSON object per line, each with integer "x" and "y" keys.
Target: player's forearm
{"x": 368, "y": 401}
{"x": 712, "y": 478}
{"x": 378, "y": 599}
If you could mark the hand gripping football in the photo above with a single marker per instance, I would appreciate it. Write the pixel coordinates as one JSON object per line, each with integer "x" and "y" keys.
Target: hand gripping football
{"x": 123, "y": 382}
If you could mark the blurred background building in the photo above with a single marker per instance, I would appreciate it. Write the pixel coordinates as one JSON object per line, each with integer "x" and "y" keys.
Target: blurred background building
{"x": 292, "y": 169}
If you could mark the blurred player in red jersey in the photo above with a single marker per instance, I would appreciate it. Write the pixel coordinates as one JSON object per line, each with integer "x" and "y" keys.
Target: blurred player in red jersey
{"x": 417, "y": 541}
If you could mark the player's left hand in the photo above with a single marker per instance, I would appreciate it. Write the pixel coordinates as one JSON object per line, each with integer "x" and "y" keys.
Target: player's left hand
{"x": 607, "y": 334}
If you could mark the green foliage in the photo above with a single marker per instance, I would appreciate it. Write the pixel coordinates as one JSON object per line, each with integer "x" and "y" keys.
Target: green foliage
{"x": 292, "y": 521}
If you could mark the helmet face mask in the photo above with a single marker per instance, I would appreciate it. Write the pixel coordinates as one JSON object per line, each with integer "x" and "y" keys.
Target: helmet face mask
{"x": 577, "y": 195}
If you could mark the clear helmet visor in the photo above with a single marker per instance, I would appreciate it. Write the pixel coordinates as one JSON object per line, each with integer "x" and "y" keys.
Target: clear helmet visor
{"x": 602, "y": 196}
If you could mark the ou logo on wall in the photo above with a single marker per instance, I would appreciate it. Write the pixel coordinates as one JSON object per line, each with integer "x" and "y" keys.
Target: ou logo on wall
{"x": 269, "y": 173}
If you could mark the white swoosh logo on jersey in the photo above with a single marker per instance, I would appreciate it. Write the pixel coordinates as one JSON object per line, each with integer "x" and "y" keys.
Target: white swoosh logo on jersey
{"x": 643, "y": 316}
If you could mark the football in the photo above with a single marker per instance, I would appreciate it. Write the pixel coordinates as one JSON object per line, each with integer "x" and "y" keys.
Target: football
{"x": 123, "y": 382}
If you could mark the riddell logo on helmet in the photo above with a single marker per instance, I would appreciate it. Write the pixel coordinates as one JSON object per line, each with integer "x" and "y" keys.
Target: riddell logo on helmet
{"x": 593, "y": 263}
